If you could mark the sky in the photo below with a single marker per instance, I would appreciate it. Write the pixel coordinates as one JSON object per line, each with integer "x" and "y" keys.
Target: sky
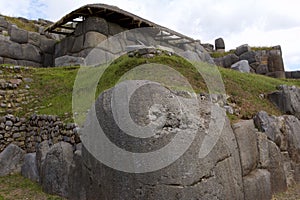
{"x": 253, "y": 22}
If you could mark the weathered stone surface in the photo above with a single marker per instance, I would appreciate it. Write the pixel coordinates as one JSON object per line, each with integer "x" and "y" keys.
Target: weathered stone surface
{"x": 287, "y": 99}
{"x": 263, "y": 150}
{"x": 78, "y": 44}
{"x": 276, "y": 169}
{"x": 69, "y": 61}
{"x": 93, "y": 39}
{"x": 257, "y": 185}
{"x": 241, "y": 66}
{"x": 218, "y": 175}
{"x": 114, "y": 29}
{"x": 219, "y": 44}
{"x": 47, "y": 45}
{"x": 275, "y": 61}
{"x": 95, "y": 24}
{"x": 18, "y": 35}
{"x": 41, "y": 152}
{"x": 277, "y": 74}
{"x": 10, "y": 61}
{"x": 230, "y": 60}
{"x": 28, "y": 63}
{"x": 262, "y": 69}
{"x": 11, "y": 160}
{"x": 31, "y": 53}
{"x": 245, "y": 134}
{"x": 3, "y": 22}
{"x": 293, "y": 134}
{"x": 34, "y": 39}
{"x": 56, "y": 169}
{"x": 48, "y": 60}
{"x": 29, "y": 168}
{"x": 250, "y": 56}
{"x": 242, "y": 49}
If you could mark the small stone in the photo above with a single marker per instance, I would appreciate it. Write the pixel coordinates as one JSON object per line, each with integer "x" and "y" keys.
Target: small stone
{"x": 9, "y": 123}
{"x": 27, "y": 87}
{"x": 3, "y": 105}
{"x": 16, "y": 135}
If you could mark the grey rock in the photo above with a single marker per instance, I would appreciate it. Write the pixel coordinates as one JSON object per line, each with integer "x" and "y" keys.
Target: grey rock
{"x": 275, "y": 61}
{"x": 262, "y": 69}
{"x": 190, "y": 177}
{"x": 3, "y": 22}
{"x": 34, "y": 39}
{"x": 242, "y": 49}
{"x": 219, "y": 44}
{"x": 10, "y": 61}
{"x": 31, "y": 53}
{"x": 95, "y": 24}
{"x": 114, "y": 28}
{"x": 28, "y": 63}
{"x": 18, "y": 35}
{"x": 247, "y": 141}
{"x": 190, "y": 55}
{"x": 276, "y": 169}
{"x": 250, "y": 56}
{"x": 47, "y": 45}
{"x": 29, "y": 168}
{"x": 93, "y": 39}
{"x": 56, "y": 169}
{"x": 241, "y": 66}
{"x": 287, "y": 99}
{"x": 293, "y": 134}
{"x": 11, "y": 160}
{"x": 78, "y": 44}
{"x": 263, "y": 149}
{"x": 257, "y": 185}
{"x": 48, "y": 60}
{"x": 41, "y": 152}
{"x": 229, "y": 60}
{"x": 69, "y": 61}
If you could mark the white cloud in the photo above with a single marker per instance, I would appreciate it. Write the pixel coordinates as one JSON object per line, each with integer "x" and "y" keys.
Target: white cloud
{"x": 258, "y": 23}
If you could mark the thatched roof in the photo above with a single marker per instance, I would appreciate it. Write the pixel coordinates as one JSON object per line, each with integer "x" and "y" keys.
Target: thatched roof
{"x": 112, "y": 14}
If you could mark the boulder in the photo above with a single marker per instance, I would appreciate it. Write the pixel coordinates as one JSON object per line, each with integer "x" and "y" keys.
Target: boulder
{"x": 257, "y": 185}
{"x": 3, "y": 22}
{"x": 31, "y": 53}
{"x": 69, "y": 61}
{"x": 95, "y": 24}
{"x": 93, "y": 39}
{"x": 275, "y": 61}
{"x": 11, "y": 160}
{"x": 56, "y": 169}
{"x": 220, "y": 44}
{"x": 47, "y": 45}
{"x": 241, "y": 66}
{"x": 29, "y": 168}
{"x": 41, "y": 152}
{"x": 229, "y": 60}
{"x": 293, "y": 134}
{"x": 276, "y": 169}
{"x": 34, "y": 39}
{"x": 250, "y": 56}
{"x": 216, "y": 175}
{"x": 245, "y": 134}
{"x": 242, "y": 49}
{"x": 263, "y": 150}
{"x": 18, "y": 35}
{"x": 287, "y": 99}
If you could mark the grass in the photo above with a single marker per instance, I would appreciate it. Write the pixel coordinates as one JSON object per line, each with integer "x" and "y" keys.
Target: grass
{"x": 16, "y": 187}
{"x": 29, "y": 26}
{"x": 54, "y": 86}
{"x": 216, "y": 54}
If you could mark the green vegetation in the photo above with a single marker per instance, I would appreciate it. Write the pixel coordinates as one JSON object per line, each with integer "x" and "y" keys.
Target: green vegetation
{"x": 261, "y": 48}
{"x": 26, "y": 25}
{"x": 53, "y": 87}
{"x": 16, "y": 187}
{"x": 217, "y": 54}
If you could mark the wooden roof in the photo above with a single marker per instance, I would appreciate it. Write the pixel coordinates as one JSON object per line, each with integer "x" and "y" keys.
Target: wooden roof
{"x": 115, "y": 15}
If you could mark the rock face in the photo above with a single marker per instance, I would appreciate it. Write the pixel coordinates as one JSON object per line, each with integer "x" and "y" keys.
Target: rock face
{"x": 218, "y": 175}
{"x": 55, "y": 170}
{"x": 287, "y": 99}
{"x": 11, "y": 160}
{"x": 241, "y": 66}
{"x": 29, "y": 168}
{"x": 220, "y": 44}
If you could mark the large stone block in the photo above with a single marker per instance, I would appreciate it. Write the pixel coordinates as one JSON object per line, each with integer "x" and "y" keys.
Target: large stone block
{"x": 96, "y": 24}
{"x": 56, "y": 169}
{"x": 250, "y": 56}
{"x": 11, "y": 160}
{"x": 219, "y": 44}
{"x": 93, "y": 39}
{"x": 18, "y": 35}
{"x": 10, "y": 61}
{"x": 29, "y": 168}
{"x": 31, "y": 53}
{"x": 28, "y": 63}
{"x": 241, "y": 66}
{"x": 242, "y": 49}
{"x": 229, "y": 60}
{"x": 3, "y": 22}
{"x": 263, "y": 150}
{"x": 114, "y": 28}
{"x": 48, "y": 60}
{"x": 68, "y": 61}
{"x": 47, "y": 45}
{"x": 257, "y": 185}
{"x": 78, "y": 44}
{"x": 247, "y": 141}
{"x": 275, "y": 61}
{"x": 34, "y": 39}
{"x": 276, "y": 169}
{"x": 214, "y": 176}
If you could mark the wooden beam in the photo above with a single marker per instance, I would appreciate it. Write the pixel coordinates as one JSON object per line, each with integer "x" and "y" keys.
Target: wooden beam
{"x": 66, "y": 27}
{"x": 59, "y": 32}
{"x": 90, "y": 10}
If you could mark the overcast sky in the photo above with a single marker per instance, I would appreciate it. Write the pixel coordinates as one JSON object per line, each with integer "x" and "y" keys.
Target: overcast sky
{"x": 253, "y": 22}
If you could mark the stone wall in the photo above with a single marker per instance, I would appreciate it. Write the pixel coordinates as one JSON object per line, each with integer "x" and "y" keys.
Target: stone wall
{"x": 25, "y": 48}
{"x": 267, "y": 62}
{"x": 293, "y": 74}
{"x": 28, "y": 133}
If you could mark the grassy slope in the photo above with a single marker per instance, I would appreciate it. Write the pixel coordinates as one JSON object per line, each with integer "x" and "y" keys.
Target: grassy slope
{"x": 54, "y": 85}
